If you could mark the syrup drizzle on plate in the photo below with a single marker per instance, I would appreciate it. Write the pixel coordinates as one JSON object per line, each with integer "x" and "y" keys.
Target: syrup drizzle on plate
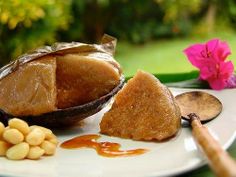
{"x": 107, "y": 149}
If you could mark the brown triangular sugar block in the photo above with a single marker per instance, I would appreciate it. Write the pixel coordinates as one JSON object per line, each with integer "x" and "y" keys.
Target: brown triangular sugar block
{"x": 144, "y": 109}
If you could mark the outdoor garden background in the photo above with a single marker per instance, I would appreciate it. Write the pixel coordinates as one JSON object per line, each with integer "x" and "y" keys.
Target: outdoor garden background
{"x": 151, "y": 34}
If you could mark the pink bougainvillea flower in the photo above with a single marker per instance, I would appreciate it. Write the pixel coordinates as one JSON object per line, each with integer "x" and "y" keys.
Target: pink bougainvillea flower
{"x": 231, "y": 82}
{"x": 210, "y": 59}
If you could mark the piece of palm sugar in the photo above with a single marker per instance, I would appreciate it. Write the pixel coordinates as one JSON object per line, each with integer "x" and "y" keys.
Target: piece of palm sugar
{"x": 81, "y": 79}
{"x": 56, "y": 82}
{"x": 30, "y": 90}
{"x": 144, "y": 109}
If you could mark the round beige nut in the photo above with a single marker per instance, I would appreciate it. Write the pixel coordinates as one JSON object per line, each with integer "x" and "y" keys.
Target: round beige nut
{"x": 35, "y": 152}
{"x": 48, "y": 147}
{"x": 35, "y": 137}
{"x": 18, "y": 151}
{"x": 52, "y": 138}
{"x": 4, "y": 146}
{"x": 20, "y": 125}
{"x": 13, "y": 136}
{"x": 7, "y": 128}
{"x": 48, "y": 132}
{"x": 54, "y": 141}
{"x": 2, "y": 128}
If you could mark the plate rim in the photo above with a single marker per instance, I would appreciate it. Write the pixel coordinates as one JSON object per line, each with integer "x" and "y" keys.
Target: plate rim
{"x": 180, "y": 170}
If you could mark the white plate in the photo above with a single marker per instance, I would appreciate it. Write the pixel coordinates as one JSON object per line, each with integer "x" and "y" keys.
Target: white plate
{"x": 168, "y": 158}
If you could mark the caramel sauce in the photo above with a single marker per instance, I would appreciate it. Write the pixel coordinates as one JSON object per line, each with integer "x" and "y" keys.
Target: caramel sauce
{"x": 107, "y": 149}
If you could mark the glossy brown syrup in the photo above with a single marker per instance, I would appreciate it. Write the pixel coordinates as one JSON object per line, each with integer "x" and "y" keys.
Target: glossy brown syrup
{"x": 107, "y": 149}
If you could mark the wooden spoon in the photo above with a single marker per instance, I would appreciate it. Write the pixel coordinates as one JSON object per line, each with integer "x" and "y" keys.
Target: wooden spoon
{"x": 197, "y": 107}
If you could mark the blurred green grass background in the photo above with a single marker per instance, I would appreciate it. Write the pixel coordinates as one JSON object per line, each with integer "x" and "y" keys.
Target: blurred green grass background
{"x": 151, "y": 34}
{"x": 165, "y": 56}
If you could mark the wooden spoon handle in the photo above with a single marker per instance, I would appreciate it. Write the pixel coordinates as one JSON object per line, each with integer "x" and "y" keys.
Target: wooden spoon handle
{"x": 220, "y": 161}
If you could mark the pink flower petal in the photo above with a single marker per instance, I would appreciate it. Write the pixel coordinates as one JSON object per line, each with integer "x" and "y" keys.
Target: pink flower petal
{"x": 226, "y": 68}
{"x": 205, "y": 73}
{"x": 194, "y": 54}
{"x": 208, "y": 69}
{"x": 217, "y": 84}
{"x": 223, "y": 51}
{"x": 212, "y": 45}
{"x": 231, "y": 82}
{"x": 210, "y": 59}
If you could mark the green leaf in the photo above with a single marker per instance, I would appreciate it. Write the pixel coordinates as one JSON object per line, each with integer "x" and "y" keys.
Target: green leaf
{"x": 192, "y": 83}
{"x": 181, "y": 80}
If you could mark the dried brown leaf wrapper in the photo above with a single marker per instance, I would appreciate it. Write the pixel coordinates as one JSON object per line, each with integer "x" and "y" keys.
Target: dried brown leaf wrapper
{"x": 103, "y": 51}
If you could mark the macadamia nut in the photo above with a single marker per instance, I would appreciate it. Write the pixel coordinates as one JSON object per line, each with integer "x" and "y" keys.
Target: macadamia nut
{"x": 48, "y": 132}
{"x": 20, "y": 125}
{"x": 35, "y": 137}
{"x": 4, "y": 146}
{"x": 35, "y": 152}
{"x": 48, "y": 147}
{"x": 19, "y": 140}
{"x": 18, "y": 151}
{"x": 2, "y": 128}
{"x": 13, "y": 136}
